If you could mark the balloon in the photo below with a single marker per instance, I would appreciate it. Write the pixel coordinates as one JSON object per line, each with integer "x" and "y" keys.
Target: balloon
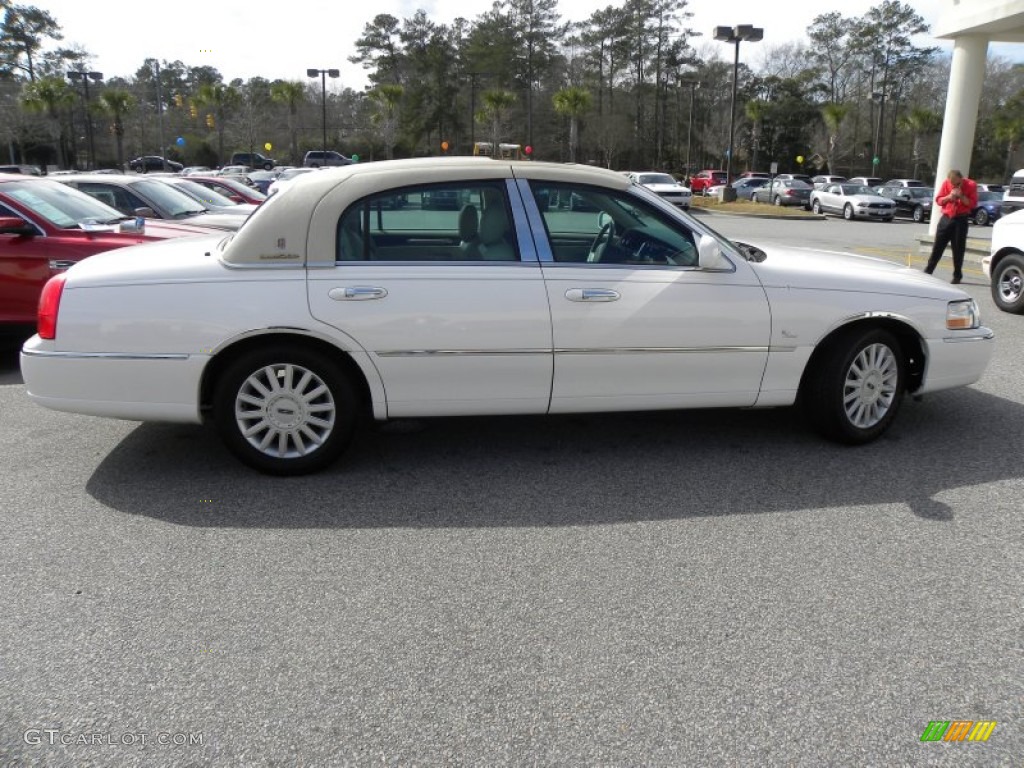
{"x": 355, "y": 158}
{"x": 444, "y": 146}
{"x": 799, "y": 158}
{"x": 180, "y": 141}
{"x": 268, "y": 146}
{"x": 528, "y": 149}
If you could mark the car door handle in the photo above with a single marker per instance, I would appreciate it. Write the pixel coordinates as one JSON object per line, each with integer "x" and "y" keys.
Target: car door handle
{"x": 592, "y": 294}
{"x": 357, "y": 293}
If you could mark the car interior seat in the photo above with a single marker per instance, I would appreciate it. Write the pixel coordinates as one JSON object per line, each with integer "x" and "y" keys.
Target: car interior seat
{"x": 469, "y": 232}
{"x": 494, "y": 243}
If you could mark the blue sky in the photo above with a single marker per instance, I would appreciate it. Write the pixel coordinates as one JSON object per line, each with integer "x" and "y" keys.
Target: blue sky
{"x": 241, "y": 40}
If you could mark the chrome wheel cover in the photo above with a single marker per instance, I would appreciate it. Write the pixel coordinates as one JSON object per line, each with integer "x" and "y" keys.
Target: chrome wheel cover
{"x": 285, "y": 411}
{"x": 1011, "y": 283}
{"x": 870, "y": 386}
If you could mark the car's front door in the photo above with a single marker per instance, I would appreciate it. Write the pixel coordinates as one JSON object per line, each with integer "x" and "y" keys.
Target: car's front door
{"x": 637, "y": 323}
{"x": 449, "y": 303}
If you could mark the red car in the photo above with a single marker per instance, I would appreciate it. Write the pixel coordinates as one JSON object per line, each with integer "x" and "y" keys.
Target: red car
{"x": 46, "y": 227}
{"x": 706, "y": 179}
{"x": 231, "y": 188}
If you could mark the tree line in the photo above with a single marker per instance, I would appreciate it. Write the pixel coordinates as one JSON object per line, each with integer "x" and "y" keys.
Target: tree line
{"x": 631, "y": 86}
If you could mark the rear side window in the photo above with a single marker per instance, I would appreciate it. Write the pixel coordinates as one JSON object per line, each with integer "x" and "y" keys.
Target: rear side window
{"x": 434, "y": 223}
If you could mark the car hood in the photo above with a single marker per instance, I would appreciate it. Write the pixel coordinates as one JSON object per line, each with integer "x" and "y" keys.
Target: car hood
{"x": 833, "y": 271}
{"x": 178, "y": 259}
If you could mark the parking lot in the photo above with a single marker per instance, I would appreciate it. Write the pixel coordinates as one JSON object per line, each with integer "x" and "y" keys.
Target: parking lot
{"x": 681, "y": 588}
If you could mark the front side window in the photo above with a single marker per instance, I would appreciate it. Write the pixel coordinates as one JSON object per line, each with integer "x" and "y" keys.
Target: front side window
{"x": 600, "y": 226}
{"x": 430, "y": 223}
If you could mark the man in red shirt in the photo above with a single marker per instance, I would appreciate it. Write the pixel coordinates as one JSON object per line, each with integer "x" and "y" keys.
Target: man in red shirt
{"x": 957, "y": 197}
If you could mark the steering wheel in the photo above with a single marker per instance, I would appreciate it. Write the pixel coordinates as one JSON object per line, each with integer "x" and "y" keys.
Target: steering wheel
{"x": 602, "y": 241}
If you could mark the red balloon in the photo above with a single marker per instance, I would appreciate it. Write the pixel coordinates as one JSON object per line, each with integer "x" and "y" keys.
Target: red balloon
{"x": 528, "y": 149}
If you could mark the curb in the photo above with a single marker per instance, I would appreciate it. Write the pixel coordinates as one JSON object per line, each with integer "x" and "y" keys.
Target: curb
{"x": 750, "y": 215}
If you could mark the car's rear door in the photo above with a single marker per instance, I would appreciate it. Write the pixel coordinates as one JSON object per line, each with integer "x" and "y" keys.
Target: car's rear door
{"x": 449, "y": 304}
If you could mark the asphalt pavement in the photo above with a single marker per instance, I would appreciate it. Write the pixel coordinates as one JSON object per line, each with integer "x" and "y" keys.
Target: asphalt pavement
{"x": 716, "y": 588}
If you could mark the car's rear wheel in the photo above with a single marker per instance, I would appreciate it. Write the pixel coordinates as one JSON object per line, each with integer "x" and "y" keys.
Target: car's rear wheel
{"x": 918, "y": 213}
{"x": 285, "y": 411}
{"x": 857, "y": 386}
{"x": 1008, "y": 284}
{"x": 816, "y": 207}
{"x": 778, "y": 200}
{"x": 848, "y": 212}
{"x": 981, "y": 217}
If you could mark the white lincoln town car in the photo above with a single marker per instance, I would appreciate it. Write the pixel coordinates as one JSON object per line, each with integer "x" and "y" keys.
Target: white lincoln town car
{"x": 542, "y": 288}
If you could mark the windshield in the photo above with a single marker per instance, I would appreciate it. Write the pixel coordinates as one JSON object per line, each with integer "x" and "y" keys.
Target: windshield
{"x": 857, "y": 189}
{"x": 919, "y": 192}
{"x": 61, "y": 205}
{"x": 656, "y": 178}
{"x": 986, "y": 196}
{"x": 173, "y": 203}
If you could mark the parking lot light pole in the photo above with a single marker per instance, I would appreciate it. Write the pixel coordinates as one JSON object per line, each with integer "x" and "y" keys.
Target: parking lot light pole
{"x": 735, "y": 35}
{"x": 694, "y": 85}
{"x": 85, "y": 77}
{"x": 324, "y": 74}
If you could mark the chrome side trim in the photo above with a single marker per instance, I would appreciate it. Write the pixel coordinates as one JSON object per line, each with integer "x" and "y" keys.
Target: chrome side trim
{"x": 659, "y": 350}
{"x": 107, "y": 355}
{"x": 985, "y": 334}
{"x": 574, "y": 351}
{"x": 460, "y": 352}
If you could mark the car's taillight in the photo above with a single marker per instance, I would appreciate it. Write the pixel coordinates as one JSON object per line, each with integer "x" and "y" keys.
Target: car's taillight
{"x": 49, "y": 305}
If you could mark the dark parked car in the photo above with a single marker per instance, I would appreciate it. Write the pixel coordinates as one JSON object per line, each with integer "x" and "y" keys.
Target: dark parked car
{"x": 253, "y": 160}
{"x": 785, "y": 192}
{"x": 316, "y": 159}
{"x": 153, "y": 163}
{"x": 915, "y": 202}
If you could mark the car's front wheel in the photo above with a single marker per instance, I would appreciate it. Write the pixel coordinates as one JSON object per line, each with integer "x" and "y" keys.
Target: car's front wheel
{"x": 857, "y": 386}
{"x": 981, "y": 217}
{"x": 848, "y": 212}
{"x": 285, "y": 411}
{"x": 1008, "y": 284}
{"x": 816, "y": 207}
{"x": 918, "y": 213}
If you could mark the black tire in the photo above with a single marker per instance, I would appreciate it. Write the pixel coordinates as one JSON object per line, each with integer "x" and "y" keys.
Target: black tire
{"x": 268, "y": 166}
{"x": 981, "y": 217}
{"x": 855, "y": 389}
{"x": 303, "y": 440}
{"x": 1008, "y": 284}
{"x": 816, "y": 207}
{"x": 778, "y": 200}
{"x": 848, "y": 212}
{"x": 918, "y": 213}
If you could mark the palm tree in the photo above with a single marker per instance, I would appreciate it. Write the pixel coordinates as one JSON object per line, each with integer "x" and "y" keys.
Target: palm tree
{"x": 920, "y": 122}
{"x": 291, "y": 93}
{"x": 222, "y": 99}
{"x": 833, "y": 115}
{"x": 496, "y": 105}
{"x": 387, "y": 98}
{"x": 117, "y": 103}
{"x": 756, "y": 110}
{"x": 574, "y": 103}
{"x": 49, "y": 96}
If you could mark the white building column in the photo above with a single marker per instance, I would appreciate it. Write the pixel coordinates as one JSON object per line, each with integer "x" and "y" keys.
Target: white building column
{"x": 966, "y": 76}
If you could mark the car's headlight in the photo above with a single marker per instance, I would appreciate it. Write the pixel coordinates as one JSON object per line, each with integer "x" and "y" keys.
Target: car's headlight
{"x": 961, "y": 315}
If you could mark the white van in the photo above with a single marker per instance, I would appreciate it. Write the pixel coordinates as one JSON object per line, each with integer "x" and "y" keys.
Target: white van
{"x": 1013, "y": 197}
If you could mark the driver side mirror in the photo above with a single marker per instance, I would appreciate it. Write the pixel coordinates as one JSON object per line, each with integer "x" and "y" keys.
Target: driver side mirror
{"x": 710, "y": 254}
{"x": 12, "y": 225}
{"x": 145, "y": 212}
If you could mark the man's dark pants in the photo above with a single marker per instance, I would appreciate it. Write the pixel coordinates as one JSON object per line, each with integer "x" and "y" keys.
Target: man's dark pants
{"x": 950, "y": 230}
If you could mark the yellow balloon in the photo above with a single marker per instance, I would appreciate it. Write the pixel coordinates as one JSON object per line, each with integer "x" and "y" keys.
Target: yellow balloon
{"x": 799, "y": 158}
{"x": 268, "y": 146}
